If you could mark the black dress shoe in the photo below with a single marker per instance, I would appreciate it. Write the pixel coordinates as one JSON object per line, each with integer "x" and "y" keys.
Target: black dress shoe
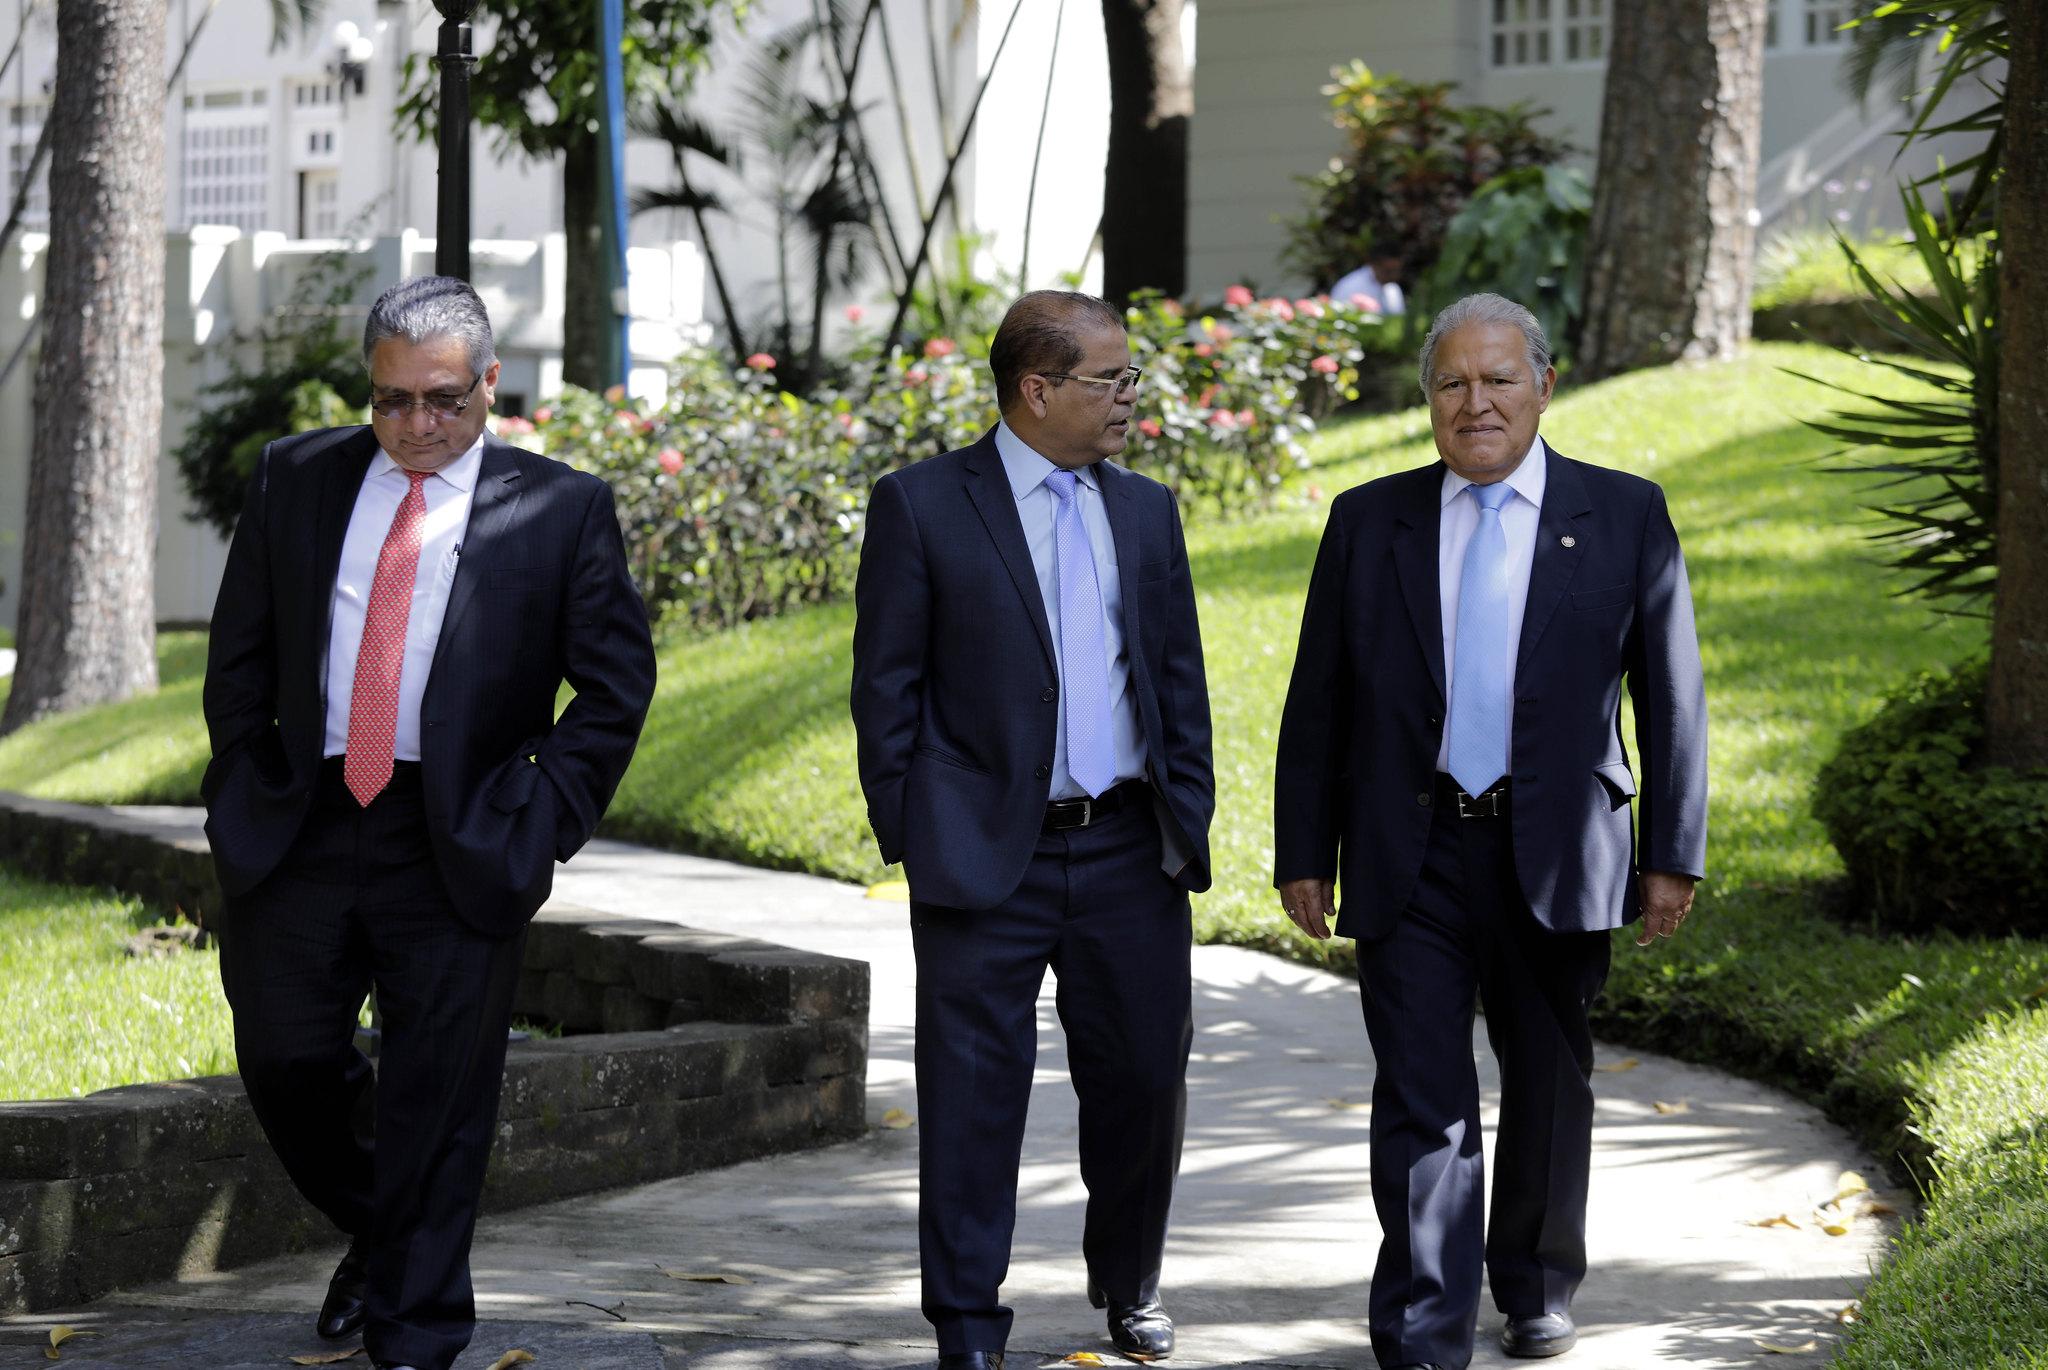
{"x": 1138, "y": 1331}
{"x": 1546, "y": 1334}
{"x": 341, "y": 1313}
{"x": 972, "y": 1360}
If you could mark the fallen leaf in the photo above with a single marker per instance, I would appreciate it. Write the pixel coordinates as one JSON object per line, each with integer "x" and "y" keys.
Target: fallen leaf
{"x": 512, "y": 1358}
{"x": 1616, "y": 1067}
{"x": 64, "y": 1332}
{"x": 1850, "y": 1185}
{"x": 1776, "y": 1220}
{"x": 897, "y": 1119}
{"x": 327, "y": 1357}
{"x": 1680, "y": 1107}
{"x": 1849, "y": 1314}
{"x": 1084, "y": 1358}
{"x": 612, "y": 1312}
{"x": 1876, "y": 1208}
{"x": 1834, "y": 1224}
{"x": 1775, "y": 1349}
{"x": 1346, "y": 1103}
{"x": 715, "y": 1277}
{"x": 891, "y": 891}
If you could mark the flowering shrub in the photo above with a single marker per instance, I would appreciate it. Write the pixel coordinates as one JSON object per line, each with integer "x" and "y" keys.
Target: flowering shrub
{"x": 739, "y": 500}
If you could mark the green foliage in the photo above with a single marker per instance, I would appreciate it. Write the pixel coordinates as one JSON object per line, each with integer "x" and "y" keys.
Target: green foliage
{"x": 307, "y": 374}
{"x": 1810, "y": 267}
{"x": 1412, "y": 162}
{"x": 1522, "y": 235}
{"x": 1931, "y": 841}
{"x": 81, "y": 1015}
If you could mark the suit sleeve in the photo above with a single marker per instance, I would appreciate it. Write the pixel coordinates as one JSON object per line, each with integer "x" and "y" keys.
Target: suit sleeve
{"x": 608, "y": 657}
{"x": 1662, "y": 658}
{"x": 1315, "y": 724}
{"x": 1190, "y": 766}
{"x": 240, "y": 695}
{"x": 891, "y": 635}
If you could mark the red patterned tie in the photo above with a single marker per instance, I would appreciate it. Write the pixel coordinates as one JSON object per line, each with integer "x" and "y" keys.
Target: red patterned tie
{"x": 373, "y": 702}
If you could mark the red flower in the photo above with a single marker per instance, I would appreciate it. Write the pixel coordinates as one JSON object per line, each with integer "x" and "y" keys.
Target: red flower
{"x": 1325, "y": 364}
{"x": 1204, "y": 350}
{"x": 543, "y": 414}
{"x": 854, "y": 313}
{"x": 1150, "y": 427}
{"x": 1365, "y": 302}
{"x": 1238, "y": 296}
{"x": 1222, "y": 421}
{"x": 940, "y": 347}
{"x": 1312, "y": 308}
{"x": 1208, "y": 398}
{"x": 1281, "y": 308}
{"x": 917, "y": 375}
{"x": 1221, "y": 333}
{"x": 671, "y": 460}
{"x": 1244, "y": 418}
{"x": 761, "y": 361}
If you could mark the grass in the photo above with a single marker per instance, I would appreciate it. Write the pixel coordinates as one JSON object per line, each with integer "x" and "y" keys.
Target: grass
{"x": 80, "y": 1014}
{"x": 1808, "y": 268}
{"x": 1936, "y": 1050}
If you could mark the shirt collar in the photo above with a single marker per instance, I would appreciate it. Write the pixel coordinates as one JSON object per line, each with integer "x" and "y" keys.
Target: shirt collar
{"x": 1527, "y": 480}
{"x": 1026, "y": 469}
{"x": 460, "y": 473}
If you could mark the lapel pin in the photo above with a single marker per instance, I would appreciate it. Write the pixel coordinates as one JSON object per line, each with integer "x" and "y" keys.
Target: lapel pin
{"x": 1568, "y": 540}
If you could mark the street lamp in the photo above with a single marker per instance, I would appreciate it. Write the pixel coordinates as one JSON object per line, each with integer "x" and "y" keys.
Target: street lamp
{"x": 453, "y": 56}
{"x": 352, "y": 52}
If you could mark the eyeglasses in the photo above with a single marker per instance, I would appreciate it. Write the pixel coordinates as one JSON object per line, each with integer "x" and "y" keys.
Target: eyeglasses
{"x": 1127, "y": 381}
{"x": 441, "y": 404}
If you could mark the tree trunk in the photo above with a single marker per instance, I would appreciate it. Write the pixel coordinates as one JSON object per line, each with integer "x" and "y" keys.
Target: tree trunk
{"x": 1669, "y": 251}
{"x": 2017, "y": 708}
{"x": 87, "y": 624}
{"x": 586, "y": 298}
{"x": 1145, "y": 178}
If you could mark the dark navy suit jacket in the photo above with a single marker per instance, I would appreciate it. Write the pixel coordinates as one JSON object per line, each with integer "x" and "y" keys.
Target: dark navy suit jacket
{"x": 956, "y": 682}
{"x": 1608, "y": 602}
{"x": 541, "y": 595}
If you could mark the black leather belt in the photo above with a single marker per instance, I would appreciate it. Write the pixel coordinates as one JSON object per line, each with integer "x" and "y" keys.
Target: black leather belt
{"x": 1492, "y": 804}
{"x": 1063, "y": 815}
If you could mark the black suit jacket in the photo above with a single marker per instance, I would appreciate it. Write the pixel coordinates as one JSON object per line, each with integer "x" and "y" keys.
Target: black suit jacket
{"x": 1608, "y": 602}
{"x": 956, "y": 681}
{"x": 541, "y": 595}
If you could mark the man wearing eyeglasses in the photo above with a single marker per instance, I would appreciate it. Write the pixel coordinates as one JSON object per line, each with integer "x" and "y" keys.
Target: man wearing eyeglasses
{"x": 390, "y": 790}
{"x": 1033, "y": 726}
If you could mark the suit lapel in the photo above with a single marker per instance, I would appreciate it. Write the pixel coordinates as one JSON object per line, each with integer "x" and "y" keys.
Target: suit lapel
{"x": 1558, "y": 549}
{"x": 988, "y": 486}
{"x": 1419, "y": 519}
{"x": 490, "y": 514}
{"x": 342, "y": 482}
{"x": 1123, "y": 530}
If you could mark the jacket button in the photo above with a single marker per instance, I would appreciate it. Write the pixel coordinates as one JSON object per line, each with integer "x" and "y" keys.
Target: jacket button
{"x": 1423, "y": 799}
{"x": 1042, "y": 772}
{"x": 1436, "y": 720}
{"x": 1050, "y": 694}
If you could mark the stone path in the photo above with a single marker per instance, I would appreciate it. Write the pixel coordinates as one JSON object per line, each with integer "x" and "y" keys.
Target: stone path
{"x": 1273, "y": 1233}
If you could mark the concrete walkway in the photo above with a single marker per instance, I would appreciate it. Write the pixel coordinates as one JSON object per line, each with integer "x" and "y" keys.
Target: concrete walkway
{"x": 1273, "y": 1235}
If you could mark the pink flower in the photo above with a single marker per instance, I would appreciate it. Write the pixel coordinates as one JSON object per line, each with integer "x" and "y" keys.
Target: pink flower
{"x": 1280, "y": 307}
{"x": 1150, "y": 427}
{"x": 1238, "y": 296}
{"x": 1312, "y": 308}
{"x": 1244, "y": 418}
{"x": 917, "y": 375}
{"x": 512, "y": 423}
{"x": 1221, "y": 333}
{"x": 761, "y": 361}
{"x": 1365, "y": 302}
{"x": 854, "y": 313}
{"x": 1325, "y": 364}
{"x": 671, "y": 460}
{"x": 1315, "y": 494}
{"x": 1222, "y": 421}
{"x": 615, "y": 394}
{"x": 1204, "y": 350}
{"x": 1172, "y": 308}
{"x": 940, "y": 347}
{"x": 1208, "y": 397}
{"x": 846, "y": 422}
{"x": 543, "y": 414}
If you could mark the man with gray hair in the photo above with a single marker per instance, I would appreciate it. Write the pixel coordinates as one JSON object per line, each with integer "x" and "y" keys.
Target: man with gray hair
{"x": 1452, "y": 751}
{"x": 390, "y": 789}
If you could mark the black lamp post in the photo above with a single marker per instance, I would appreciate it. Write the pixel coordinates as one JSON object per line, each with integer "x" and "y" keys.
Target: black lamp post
{"x": 453, "y": 56}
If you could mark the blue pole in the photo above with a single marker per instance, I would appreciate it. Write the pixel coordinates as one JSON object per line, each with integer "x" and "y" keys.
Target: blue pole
{"x": 611, "y": 38}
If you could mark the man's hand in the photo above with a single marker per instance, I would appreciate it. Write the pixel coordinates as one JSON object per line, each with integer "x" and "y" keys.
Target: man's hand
{"x": 1311, "y": 904}
{"x": 1666, "y": 899}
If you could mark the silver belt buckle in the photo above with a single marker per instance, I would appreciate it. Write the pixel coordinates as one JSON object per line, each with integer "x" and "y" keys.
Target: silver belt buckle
{"x": 1087, "y": 811}
{"x": 1469, "y": 804}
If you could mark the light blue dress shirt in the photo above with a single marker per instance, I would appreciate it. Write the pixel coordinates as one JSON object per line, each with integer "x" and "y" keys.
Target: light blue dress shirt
{"x": 1027, "y": 471}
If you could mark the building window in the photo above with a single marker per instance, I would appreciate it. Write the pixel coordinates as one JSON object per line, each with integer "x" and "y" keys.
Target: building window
{"x": 314, "y": 94}
{"x": 25, "y": 131}
{"x": 1585, "y": 30}
{"x": 227, "y": 160}
{"x": 1521, "y": 33}
{"x": 1824, "y": 20}
{"x": 319, "y": 204}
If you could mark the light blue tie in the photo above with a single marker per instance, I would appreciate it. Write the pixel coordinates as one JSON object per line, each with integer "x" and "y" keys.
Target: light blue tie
{"x": 1084, "y": 662}
{"x": 1479, "y": 685}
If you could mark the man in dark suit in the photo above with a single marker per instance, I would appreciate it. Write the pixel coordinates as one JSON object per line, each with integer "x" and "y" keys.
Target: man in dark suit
{"x": 1452, "y": 747}
{"x": 1034, "y": 745}
{"x": 390, "y": 790}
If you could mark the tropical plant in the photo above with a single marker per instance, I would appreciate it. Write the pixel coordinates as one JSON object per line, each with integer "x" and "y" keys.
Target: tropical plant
{"x": 1412, "y": 162}
{"x": 1522, "y": 235}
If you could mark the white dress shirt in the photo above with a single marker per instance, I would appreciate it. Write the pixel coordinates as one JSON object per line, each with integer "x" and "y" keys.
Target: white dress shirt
{"x": 1036, "y": 504}
{"x": 384, "y": 487}
{"x": 1518, "y": 521}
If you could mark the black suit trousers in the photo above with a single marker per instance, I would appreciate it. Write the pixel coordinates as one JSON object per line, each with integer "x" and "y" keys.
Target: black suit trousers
{"x": 1469, "y": 934}
{"x": 358, "y": 903}
{"x": 1097, "y": 909}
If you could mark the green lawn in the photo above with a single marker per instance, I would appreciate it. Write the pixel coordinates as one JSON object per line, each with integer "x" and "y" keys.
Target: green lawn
{"x": 749, "y": 754}
{"x": 79, "y": 1014}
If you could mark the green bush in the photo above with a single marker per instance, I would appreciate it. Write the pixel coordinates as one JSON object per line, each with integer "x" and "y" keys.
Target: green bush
{"x": 1523, "y": 235}
{"x": 1931, "y": 843}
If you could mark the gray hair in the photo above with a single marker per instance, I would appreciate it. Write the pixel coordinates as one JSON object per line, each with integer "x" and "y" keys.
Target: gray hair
{"x": 1486, "y": 309}
{"x": 432, "y": 307}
